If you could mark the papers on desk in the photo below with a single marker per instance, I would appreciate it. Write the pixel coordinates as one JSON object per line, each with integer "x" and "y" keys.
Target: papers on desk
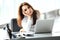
{"x": 23, "y": 34}
{"x": 27, "y": 33}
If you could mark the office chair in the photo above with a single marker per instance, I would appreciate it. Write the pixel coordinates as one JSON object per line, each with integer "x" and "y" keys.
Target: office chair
{"x": 14, "y": 25}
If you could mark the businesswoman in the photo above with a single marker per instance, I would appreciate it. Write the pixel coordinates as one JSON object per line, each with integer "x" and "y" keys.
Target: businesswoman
{"x": 27, "y": 17}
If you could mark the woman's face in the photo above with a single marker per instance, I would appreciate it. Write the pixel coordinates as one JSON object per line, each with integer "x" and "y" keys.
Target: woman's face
{"x": 27, "y": 10}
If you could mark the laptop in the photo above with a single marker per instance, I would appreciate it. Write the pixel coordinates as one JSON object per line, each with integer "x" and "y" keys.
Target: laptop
{"x": 44, "y": 26}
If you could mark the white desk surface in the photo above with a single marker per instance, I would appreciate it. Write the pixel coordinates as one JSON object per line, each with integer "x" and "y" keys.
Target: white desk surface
{"x": 39, "y": 35}
{"x": 4, "y": 35}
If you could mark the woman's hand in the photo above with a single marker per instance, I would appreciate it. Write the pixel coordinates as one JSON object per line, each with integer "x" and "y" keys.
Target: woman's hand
{"x": 22, "y": 30}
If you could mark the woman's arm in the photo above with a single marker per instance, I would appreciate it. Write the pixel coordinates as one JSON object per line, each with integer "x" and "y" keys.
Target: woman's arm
{"x": 26, "y": 25}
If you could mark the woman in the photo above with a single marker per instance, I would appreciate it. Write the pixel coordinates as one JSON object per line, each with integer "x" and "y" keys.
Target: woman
{"x": 27, "y": 17}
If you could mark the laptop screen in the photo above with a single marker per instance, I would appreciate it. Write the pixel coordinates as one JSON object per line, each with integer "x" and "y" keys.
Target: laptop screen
{"x": 44, "y": 26}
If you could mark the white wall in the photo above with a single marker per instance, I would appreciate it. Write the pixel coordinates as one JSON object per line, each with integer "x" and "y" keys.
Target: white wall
{"x": 9, "y": 8}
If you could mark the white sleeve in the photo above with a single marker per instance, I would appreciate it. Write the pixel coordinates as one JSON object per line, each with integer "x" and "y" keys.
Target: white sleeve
{"x": 29, "y": 22}
{"x": 29, "y": 25}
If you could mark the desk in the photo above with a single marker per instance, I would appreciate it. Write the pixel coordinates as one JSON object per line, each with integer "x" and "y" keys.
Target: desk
{"x": 46, "y": 36}
{"x": 39, "y": 35}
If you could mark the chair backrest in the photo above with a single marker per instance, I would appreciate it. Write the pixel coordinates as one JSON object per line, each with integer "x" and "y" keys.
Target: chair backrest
{"x": 14, "y": 25}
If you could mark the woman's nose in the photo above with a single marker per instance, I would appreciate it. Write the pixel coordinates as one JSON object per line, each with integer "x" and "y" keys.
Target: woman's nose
{"x": 28, "y": 11}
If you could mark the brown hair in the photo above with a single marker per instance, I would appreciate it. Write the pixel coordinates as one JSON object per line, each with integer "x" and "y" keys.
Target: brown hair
{"x": 21, "y": 16}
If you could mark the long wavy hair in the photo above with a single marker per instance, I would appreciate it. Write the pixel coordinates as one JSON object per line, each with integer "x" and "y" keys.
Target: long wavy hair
{"x": 21, "y": 16}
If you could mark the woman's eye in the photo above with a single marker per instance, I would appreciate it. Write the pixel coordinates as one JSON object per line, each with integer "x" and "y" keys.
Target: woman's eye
{"x": 25, "y": 9}
{"x": 28, "y": 7}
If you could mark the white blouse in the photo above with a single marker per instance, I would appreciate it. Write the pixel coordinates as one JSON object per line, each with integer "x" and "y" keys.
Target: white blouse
{"x": 27, "y": 23}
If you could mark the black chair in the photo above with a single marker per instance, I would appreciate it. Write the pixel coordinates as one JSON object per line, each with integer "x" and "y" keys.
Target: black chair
{"x": 15, "y": 27}
{"x": 9, "y": 31}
